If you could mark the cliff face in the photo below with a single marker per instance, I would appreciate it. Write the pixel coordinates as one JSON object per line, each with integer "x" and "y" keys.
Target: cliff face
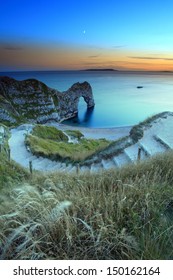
{"x": 32, "y": 101}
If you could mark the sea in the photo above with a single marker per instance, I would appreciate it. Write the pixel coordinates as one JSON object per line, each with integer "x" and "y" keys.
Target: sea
{"x": 122, "y": 98}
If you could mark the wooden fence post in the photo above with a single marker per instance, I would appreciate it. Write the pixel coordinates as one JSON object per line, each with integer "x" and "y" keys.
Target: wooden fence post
{"x": 77, "y": 169}
{"x": 9, "y": 154}
{"x": 30, "y": 166}
{"x": 139, "y": 154}
{"x": 1, "y": 142}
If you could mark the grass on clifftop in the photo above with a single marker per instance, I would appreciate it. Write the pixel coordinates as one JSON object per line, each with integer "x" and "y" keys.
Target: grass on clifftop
{"x": 65, "y": 151}
{"x": 49, "y": 132}
{"x": 137, "y": 131}
{"x": 75, "y": 134}
{"x": 52, "y": 143}
{"x": 122, "y": 214}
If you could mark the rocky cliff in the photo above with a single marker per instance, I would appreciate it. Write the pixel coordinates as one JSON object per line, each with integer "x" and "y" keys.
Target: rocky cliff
{"x": 33, "y": 101}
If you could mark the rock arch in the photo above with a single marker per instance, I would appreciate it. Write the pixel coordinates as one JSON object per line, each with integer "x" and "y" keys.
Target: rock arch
{"x": 68, "y": 100}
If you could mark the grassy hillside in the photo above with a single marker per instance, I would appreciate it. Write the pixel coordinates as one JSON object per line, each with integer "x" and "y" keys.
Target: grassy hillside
{"x": 75, "y": 134}
{"x": 10, "y": 172}
{"x": 49, "y": 133}
{"x": 137, "y": 131}
{"x": 52, "y": 143}
{"x": 122, "y": 214}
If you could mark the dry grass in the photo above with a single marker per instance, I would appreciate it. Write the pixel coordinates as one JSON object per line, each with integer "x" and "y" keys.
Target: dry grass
{"x": 119, "y": 214}
{"x": 122, "y": 214}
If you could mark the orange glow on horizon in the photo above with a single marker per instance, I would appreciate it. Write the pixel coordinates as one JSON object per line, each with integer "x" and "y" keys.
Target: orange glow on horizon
{"x": 83, "y": 58}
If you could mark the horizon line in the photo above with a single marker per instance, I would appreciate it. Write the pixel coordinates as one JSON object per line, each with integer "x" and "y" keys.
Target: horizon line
{"x": 87, "y": 70}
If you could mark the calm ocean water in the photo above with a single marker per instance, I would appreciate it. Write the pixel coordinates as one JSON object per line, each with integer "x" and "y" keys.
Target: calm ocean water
{"x": 118, "y": 101}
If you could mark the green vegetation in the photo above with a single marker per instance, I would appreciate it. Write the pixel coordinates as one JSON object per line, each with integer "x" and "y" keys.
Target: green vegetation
{"x": 55, "y": 99}
{"x": 136, "y": 133}
{"x": 153, "y": 118}
{"x": 65, "y": 151}
{"x": 113, "y": 149}
{"x": 52, "y": 143}
{"x": 49, "y": 132}
{"x": 35, "y": 84}
{"x": 29, "y": 93}
{"x": 121, "y": 214}
{"x": 10, "y": 172}
{"x": 75, "y": 133}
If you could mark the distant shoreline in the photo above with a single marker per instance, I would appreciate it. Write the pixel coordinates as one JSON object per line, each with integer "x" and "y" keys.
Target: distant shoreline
{"x": 110, "y": 133}
{"x": 90, "y": 70}
{"x": 98, "y": 69}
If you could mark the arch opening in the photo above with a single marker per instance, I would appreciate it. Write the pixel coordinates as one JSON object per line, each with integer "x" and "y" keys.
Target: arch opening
{"x": 82, "y": 109}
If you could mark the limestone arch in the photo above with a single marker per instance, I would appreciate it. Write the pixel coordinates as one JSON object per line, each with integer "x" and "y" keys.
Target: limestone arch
{"x": 69, "y": 100}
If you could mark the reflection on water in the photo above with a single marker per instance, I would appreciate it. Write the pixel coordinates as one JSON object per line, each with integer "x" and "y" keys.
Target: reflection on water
{"x": 82, "y": 118}
{"x": 87, "y": 118}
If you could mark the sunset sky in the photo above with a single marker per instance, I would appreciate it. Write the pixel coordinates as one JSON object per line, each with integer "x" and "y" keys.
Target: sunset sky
{"x": 80, "y": 34}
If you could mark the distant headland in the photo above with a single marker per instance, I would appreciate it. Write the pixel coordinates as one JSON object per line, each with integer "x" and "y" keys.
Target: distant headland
{"x": 100, "y": 69}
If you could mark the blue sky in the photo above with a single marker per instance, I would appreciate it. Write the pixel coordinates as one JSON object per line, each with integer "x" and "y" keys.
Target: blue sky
{"x": 122, "y": 34}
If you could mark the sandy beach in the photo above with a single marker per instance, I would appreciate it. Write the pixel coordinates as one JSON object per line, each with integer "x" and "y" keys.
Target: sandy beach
{"x": 96, "y": 133}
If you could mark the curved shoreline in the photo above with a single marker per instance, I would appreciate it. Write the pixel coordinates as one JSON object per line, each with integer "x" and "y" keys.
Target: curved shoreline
{"x": 112, "y": 133}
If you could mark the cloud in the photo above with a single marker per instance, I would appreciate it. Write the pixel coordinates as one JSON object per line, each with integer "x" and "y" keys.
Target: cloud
{"x": 150, "y": 58}
{"x": 94, "y": 56}
{"x": 11, "y": 47}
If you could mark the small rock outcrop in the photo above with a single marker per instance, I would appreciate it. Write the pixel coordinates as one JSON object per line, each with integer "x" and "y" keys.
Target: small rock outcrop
{"x": 33, "y": 101}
